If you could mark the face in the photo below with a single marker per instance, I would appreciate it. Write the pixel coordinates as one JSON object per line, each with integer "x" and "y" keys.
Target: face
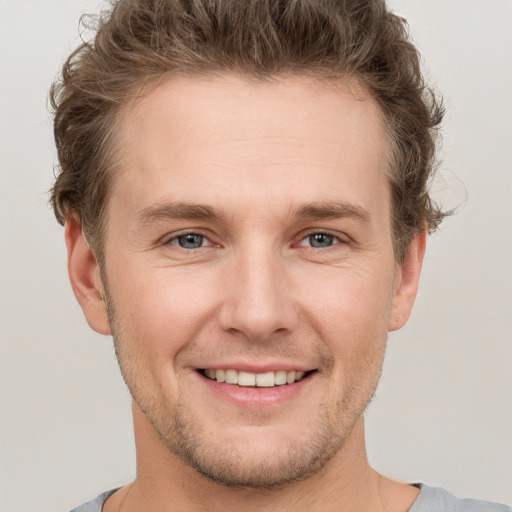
{"x": 249, "y": 271}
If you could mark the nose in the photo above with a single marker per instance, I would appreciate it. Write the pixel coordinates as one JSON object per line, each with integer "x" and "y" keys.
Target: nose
{"x": 258, "y": 296}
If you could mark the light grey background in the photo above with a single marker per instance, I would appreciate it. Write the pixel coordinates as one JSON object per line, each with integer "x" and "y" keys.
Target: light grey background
{"x": 443, "y": 413}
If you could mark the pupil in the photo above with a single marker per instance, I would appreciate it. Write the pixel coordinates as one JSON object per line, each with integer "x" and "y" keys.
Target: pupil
{"x": 321, "y": 240}
{"x": 190, "y": 241}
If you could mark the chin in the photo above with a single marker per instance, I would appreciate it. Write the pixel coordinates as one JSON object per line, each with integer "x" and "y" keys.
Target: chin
{"x": 249, "y": 467}
{"x": 259, "y": 457}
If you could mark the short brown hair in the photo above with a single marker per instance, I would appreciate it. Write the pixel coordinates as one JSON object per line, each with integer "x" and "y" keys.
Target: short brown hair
{"x": 141, "y": 42}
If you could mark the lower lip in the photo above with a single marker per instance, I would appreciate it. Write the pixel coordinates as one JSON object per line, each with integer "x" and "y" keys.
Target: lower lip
{"x": 256, "y": 397}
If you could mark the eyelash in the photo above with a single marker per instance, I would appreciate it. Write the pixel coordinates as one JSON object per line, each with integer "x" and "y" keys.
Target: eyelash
{"x": 174, "y": 240}
{"x": 337, "y": 239}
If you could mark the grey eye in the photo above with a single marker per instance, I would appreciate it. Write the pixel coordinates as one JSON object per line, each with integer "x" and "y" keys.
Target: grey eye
{"x": 321, "y": 240}
{"x": 191, "y": 241}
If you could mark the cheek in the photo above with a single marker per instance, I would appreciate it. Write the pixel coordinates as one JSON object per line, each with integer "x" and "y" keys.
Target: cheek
{"x": 350, "y": 303}
{"x": 350, "y": 315}
{"x": 161, "y": 310}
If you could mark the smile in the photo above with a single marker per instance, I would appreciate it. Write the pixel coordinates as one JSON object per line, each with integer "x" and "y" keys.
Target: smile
{"x": 259, "y": 380}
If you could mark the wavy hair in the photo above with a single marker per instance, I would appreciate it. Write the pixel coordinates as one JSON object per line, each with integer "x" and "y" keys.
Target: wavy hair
{"x": 138, "y": 43}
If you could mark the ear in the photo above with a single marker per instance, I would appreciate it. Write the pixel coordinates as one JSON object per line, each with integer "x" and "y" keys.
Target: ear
{"x": 406, "y": 282}
{"x": 84, "y": 274}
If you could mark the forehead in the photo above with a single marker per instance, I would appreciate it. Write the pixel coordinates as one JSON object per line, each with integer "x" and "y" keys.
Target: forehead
{"x": 288, "y": 140}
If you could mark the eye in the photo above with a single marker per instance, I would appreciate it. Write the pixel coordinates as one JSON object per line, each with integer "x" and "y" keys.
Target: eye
{"x": 319, "y": 240}
{"x": 190, "y": 241}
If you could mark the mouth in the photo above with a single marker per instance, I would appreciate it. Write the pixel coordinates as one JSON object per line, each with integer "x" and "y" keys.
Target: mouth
{"x": 268, "y": 379}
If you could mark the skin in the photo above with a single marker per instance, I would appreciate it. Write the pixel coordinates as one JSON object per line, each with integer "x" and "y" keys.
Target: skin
{"x": 283, "y": 183}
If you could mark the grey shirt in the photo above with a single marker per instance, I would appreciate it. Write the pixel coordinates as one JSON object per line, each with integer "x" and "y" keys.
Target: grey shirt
{"x": 430, "y": 499}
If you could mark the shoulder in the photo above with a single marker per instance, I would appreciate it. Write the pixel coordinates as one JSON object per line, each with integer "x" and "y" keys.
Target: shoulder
{"x": 96, "y": 504}
{"x": 435, "y": 499}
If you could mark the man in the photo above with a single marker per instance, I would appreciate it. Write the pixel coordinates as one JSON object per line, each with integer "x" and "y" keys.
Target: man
{"x": 244, "y": 192}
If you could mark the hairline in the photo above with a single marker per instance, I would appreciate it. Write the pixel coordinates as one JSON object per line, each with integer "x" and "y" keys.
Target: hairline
{"x": 96, "y": 234}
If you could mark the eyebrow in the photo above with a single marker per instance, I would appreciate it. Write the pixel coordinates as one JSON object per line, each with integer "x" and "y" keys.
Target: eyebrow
{"x": 184, "y": 211}
{"x": 312, "y": 211}
{"x": 330, "y": 210}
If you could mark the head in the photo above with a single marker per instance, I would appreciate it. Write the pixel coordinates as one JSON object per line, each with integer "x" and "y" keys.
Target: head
{"x": 245, "y": 183}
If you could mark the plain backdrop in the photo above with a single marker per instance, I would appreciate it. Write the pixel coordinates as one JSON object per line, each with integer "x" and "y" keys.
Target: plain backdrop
{"x": 443, "y": 412}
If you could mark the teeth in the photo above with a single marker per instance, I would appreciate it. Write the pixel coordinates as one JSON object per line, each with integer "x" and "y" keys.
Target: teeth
{"x": 265, "y": 380}
{"x": 280, "y": 378}
{"x": 231, "y": 376}
{"x": 248, "y": 379}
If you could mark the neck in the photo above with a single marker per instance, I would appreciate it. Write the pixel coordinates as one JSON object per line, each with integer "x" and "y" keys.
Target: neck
{"x": 165, "y": 483}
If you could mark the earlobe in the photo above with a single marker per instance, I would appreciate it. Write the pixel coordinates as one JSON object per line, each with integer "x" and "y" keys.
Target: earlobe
{"x": 407, "y": 280}
{"x": 84, "y": 274}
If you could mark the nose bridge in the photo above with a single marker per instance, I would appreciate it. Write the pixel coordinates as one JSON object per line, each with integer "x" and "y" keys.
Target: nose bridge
{"x": 258, "y": 302}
